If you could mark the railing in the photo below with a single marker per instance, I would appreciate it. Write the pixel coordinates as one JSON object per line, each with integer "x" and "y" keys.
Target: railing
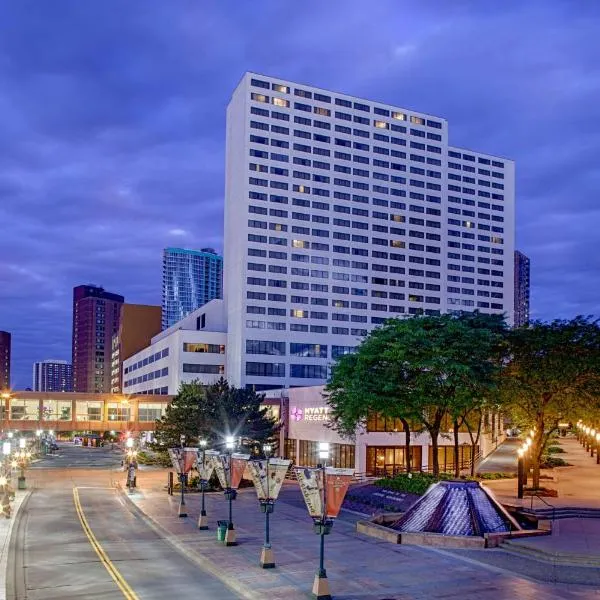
{"x": 393, "y": 470}
{"x": 546, "y": 503}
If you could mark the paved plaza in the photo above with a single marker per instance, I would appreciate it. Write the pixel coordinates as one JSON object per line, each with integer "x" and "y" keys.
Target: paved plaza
{"x": 357, "y": 566}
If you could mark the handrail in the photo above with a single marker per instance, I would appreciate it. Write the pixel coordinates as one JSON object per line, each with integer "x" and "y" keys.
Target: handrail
{"x": 552, "y": 506}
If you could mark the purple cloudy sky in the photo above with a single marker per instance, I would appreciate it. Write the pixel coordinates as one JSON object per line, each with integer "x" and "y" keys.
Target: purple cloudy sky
{"x": 112, "y": 121}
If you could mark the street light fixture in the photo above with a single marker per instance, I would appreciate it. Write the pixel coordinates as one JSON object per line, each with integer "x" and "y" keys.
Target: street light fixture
{"x": 229, "y": 492}
{"x": 322, "y": 527}
{"x": 203, "y": 519}
{"x": 520, "y": 469}
{"x": 267, "y": 506}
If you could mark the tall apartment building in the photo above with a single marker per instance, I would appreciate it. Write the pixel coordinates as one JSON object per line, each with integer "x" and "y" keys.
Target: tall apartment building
{"x": 341, "y": 212}
{"x": 96, "y": 314}
{"x": 522, "y": 285}
{"x": 138, "y": 324}
{"x": 52, "y": 376}
{"x": 5, "y": 344}
{"x": 191, "y": 278}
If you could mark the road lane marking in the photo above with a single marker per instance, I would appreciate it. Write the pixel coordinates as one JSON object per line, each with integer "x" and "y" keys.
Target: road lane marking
{"x": 108, "y": 564}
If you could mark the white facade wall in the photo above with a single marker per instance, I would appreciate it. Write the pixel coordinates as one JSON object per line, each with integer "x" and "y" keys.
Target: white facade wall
{"x": 185, "y": 352}
{"x": 308, "y": 419}
{"x": 380, "y": 239}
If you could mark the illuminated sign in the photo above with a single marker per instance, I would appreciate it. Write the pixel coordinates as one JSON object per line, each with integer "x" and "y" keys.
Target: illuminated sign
{"x": 313, "y": 413}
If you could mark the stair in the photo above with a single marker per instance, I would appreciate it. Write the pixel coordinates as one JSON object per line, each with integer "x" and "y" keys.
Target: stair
{"x": 563, "y": 512}
{"x": 562, "y": 558}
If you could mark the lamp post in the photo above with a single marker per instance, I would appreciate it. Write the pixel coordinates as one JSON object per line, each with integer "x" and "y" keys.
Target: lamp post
{"x": 592, "y": 441}
{"x": 203, "y": 519}
{"x": 525, "y": 461}
{"x": 230, "y": 493}
{"x": 267, "y": 506}
{"x": 322, "y": 528}
{"x": 520, "y": 471}
{"x": 182, "y": 511}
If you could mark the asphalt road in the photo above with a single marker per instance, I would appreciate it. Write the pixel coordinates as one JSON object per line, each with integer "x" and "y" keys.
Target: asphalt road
{"x": 52, "y": 556}
{"x": 69, "y": 456}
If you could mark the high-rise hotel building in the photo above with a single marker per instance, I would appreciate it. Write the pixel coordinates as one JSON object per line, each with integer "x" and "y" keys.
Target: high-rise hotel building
{"x": 342, "y": 212}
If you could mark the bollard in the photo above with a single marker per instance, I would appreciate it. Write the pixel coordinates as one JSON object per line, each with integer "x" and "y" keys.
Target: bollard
{"x": 170, "y": 484}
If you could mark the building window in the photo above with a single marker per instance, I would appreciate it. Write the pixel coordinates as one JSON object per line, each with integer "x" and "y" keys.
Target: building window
{"x": 148, "y": 412}
{"x": 260, "y": 369}
{"x": 206, "y": 369}
{"x": 309, "y": 350}
{"x": 308, "y": 371}
{"x": 89, "y": 411}
{"x": 119, "y": 412}
{"x": 446, "y": 457}
{"x": 341, "y": 455}
{"x": 386, "y": 461}
{"x": 265, "y": 347}
{"x": 209, "y": 348}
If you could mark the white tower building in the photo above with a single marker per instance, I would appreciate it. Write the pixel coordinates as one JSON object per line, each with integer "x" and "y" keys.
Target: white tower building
{"x": 342, "y": 212}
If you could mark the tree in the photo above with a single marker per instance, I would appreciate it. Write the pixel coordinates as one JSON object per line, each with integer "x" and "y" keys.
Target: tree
{"x": 553, "y": 374}
{"x": 213, "y": 412}
{"x": 188, "y": 414}
{"x": 419, "y": 368}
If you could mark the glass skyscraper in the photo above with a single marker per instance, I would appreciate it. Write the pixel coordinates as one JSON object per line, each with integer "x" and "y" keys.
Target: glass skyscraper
{"x": 191, "y": 278}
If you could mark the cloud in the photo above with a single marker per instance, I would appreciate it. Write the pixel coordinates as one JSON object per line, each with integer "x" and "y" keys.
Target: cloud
{"x": 112, "y": 129}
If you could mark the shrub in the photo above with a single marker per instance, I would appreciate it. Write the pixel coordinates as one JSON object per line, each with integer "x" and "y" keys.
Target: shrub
{"x": 549, "y": 462}
{"x": 555, "y": 450}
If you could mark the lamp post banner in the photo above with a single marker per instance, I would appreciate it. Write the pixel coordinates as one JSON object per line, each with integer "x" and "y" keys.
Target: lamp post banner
{"x": 189, "y": 459}
{"x": 238, "y": 466}
{"x": 221, "y": 466}
{"x": 206, "y": 463}
{"x": 311, "y": 485}
{"x": 175, "y": 455}
{"x": 267, "y": 483}
{"x": 337, "y": 482}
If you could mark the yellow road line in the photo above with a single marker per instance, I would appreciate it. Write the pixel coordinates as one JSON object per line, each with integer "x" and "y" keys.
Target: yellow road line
{"x": 108, "y": 564}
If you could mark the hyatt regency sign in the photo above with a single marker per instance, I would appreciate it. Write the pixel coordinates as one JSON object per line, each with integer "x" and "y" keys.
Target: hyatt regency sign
{"x": 311, "y": 413}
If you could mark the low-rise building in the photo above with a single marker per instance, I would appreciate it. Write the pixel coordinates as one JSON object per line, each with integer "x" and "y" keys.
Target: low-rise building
{"x": 192, "y": 349}
{"x": 378, "y": 449}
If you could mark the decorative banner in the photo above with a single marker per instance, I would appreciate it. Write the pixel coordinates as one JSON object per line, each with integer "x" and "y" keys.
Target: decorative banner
{"x": 230, "y": 469}
{"x": 336, "y": 482}
{"x": 238, "y": 466}
{"x": 268, "y": 476}
{"x": 221, "y": 466}
{"x": 189, "y": 459}
{"x": 311, "y": 485}
{"x": 206, "y": 463}
{"x": 175, "y": 454}
{"x": 183, "y": 459}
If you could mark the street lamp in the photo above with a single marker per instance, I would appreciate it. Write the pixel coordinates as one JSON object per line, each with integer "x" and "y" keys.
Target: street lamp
{"x": 203, "y": 519}
{"x": 598, "y": 448}
{"x": 229, "y": 492}
{"x": 22, "y": 443}
{"x": 267, "y": 506}
{"x": 520, "y": 460}
{"x": 322, "y": 528}
{"x": 592, "y": 441}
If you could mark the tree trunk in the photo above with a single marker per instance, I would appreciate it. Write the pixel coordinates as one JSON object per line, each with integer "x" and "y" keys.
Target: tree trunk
{"x": 434, "y": 432}
{"x": 456, "y": 450}
{"x": 474, "y": 440}
{"x": 537, "y": 450}
{"x": 406, "y": 426}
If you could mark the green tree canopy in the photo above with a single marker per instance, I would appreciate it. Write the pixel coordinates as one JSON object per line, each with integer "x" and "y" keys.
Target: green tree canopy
{"x": 419, "y": 368}
{"x": 213, "y": 412}
{"x": 553, "y": 374}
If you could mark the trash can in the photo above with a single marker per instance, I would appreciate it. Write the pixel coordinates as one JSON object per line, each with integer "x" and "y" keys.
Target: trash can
{"x": 221, "y": 530}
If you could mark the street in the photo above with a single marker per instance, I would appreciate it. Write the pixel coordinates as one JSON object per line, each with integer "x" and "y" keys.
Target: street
{"x": 52, "y": 557}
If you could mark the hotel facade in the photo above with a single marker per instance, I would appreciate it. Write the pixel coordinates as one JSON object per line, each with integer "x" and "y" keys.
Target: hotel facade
{"x": 342, "y": 212}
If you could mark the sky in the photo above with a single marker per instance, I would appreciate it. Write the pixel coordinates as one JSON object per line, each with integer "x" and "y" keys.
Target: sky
{"x": 112, "y": 129}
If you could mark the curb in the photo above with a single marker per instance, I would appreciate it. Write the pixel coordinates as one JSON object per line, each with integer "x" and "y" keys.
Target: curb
{"x": 201, "y": 561}
{"x": 8, "y": 546}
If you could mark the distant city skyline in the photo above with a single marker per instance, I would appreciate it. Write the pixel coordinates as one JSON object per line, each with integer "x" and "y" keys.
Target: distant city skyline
{"x": 125, "y": 166}
{"x": 52, "y": 375}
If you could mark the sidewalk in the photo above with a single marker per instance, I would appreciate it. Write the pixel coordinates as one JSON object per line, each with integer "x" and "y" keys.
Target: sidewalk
{"x": 358, "y": 567}
{"x": 6, "y": 526}
{"x": 577, "y": 485}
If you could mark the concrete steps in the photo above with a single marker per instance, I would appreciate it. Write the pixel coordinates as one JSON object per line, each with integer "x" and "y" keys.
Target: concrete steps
{"x": 563, "y": 512}
{"x": 562, "y": 558}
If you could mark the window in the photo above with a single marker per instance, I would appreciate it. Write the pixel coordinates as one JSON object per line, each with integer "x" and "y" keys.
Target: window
{"x": 308, "y": 350}
{"x": 308, "y": 371}
{"x": 265, "y": 347}
{"x": 201, "y": 347}
{"x": 260, "y": 369}
{"x": 205, "y": 369}
{"x": 259, "y": 97}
